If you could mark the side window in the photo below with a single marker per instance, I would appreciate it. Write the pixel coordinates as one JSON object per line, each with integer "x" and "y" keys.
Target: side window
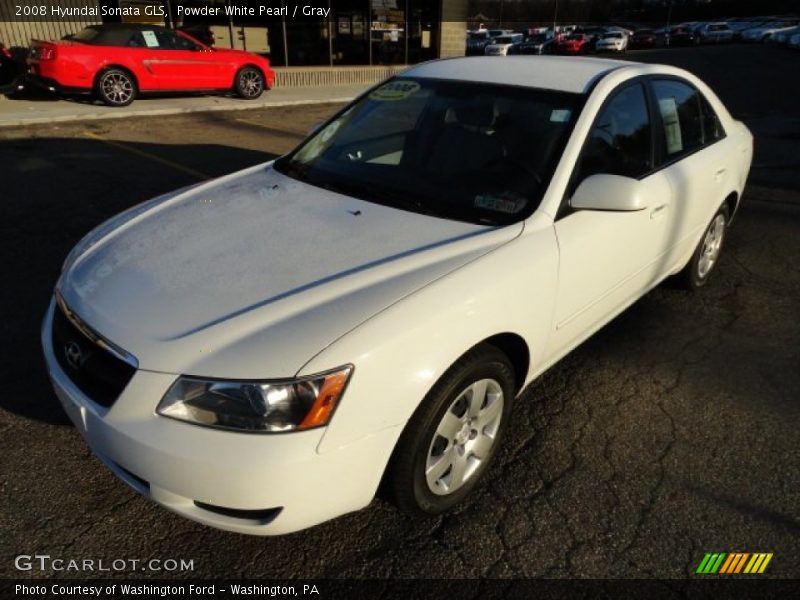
{"x": 712, "y": 128}
{"x": 620, "y": 141}
{"x": 168, "y": 40}
{"x": 679, "y": 105}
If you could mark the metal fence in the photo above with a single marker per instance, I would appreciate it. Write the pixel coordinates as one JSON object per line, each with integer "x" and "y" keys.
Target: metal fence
{"x": 18, "y": 30}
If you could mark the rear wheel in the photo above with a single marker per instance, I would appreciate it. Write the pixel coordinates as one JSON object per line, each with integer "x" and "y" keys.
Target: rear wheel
{"x": 695, "y": 275}
{"x": 454, "y": 434}
{"x": 116, "y": 87}
{"x": 249, "y": 83}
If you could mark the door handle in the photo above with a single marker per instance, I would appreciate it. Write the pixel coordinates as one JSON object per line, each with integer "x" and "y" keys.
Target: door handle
{"x": 658, "y": 211}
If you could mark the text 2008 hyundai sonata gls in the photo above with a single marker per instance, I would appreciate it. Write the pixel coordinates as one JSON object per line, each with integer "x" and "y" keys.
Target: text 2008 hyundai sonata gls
{"x": 258, "y": 352}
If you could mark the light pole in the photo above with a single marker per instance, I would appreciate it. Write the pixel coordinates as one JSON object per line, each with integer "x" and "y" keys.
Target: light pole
{"x": 669, "y": 18}
{"x": 555, "y": 17}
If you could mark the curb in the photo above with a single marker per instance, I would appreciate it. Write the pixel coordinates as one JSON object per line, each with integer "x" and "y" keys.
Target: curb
{"x": 163, "y": 111}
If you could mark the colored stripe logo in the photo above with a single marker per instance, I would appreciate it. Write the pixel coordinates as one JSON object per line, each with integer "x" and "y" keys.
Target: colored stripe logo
{"x": 734, "y": 563}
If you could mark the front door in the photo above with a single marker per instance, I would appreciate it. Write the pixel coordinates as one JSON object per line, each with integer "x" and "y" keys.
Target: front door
{"x": 177, "y": 63}
{"x": 609, "y": 258}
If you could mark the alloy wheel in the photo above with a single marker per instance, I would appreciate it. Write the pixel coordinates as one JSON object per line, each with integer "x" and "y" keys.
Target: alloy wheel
{"x": 464, "y": 437}
{"x": 712, "y": 243}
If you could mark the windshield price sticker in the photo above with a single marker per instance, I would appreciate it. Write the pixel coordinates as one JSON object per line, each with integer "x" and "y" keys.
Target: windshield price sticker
{"x": 504, "y": 205}
{"x": 395, "y": 90}
{"x": 672, "y": 124}
{"x": 560, "y": 115}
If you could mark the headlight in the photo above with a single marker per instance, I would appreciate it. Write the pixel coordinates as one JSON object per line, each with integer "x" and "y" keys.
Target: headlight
{"x": 256, "y": 406}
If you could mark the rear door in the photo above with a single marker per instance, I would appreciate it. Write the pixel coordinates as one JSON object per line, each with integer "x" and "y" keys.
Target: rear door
{"x": 695, "y": 155}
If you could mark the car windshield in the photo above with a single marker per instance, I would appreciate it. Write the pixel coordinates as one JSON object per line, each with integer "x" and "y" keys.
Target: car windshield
{"x": 504, "y": 39}
{"x": 495, "y": 32}
{"x": 475, "y": 152}
{"x": 612, "y": 36}
{"x": 478, "y": 35}
{"x": 575, "y": 36}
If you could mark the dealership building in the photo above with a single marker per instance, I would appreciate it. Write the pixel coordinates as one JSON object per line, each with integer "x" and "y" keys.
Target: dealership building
{"x": 342, "y": 33}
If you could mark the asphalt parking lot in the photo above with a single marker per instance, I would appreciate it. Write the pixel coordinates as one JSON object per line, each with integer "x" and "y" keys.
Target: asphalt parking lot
{"x": 673, "y": 432}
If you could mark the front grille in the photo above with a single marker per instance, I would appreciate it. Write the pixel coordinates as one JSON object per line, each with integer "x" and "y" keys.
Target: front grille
{"x": 93, "y": 369}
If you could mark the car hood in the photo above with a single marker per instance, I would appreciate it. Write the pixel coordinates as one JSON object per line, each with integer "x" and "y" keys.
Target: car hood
{"x": 253, "y": 274}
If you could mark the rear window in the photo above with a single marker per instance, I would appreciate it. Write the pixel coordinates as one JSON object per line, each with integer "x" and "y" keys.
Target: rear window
{"x": 86, "y": 35}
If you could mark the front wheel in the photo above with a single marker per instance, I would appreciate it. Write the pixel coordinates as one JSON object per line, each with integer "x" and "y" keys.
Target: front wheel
{"x": 451, "y": 438}
{"x": 249, "y": 83}
{"x": 695, "y": 275}
{"x": 116, "y": 87}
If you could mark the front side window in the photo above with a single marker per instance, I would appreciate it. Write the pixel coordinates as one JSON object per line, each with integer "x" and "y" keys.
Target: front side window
{"x": 620, "y": 140}
{"x": 476, "y": 152}
{"x": 679, "y": 105}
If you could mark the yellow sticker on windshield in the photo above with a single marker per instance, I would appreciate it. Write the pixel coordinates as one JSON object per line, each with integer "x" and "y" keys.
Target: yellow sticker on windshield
{"x": 395, "y": 90}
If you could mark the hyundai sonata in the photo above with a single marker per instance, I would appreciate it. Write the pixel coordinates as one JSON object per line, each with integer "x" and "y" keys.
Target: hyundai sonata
{"x": 260, "y": 351}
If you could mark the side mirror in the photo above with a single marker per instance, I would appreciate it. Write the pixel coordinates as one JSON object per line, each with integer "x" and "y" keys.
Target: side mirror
{"x": 609, "y": 192}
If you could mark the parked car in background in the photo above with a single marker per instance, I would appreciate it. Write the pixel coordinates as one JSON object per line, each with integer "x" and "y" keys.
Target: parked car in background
{"x": 642, "y": 38}
{"x": 9, "y": 70}
{"x": 794, "y": 41}
{"x": 738, "y": 27}
{"x": 117, "y": 62}
{"x": 500, "y": 45}
{"x": 783, "y": 36}
{"x": 715, "y": 33}
{"x": 540, "y": 43}
{"x": 263, "y": 351}
{"x": 594, "y": 33}
{"x": 574, "y": 43}
{"x": 477, "y": 42}
{"x": 613, "y": 41}
{"x": 761, "y": 34}
{"x": 681, "y": 36}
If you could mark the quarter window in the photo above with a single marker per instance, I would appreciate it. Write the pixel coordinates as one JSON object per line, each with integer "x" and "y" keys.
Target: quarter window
{"x": 620, "y": 141}
{"x": 712, "y": 128}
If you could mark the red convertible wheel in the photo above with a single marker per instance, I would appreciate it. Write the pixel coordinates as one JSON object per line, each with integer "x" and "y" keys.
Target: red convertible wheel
{"x": 115, "y": 87}
{"x": 249, "y": 83}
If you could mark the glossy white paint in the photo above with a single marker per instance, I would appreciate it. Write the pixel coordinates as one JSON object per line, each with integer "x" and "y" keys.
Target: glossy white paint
{"x": 250, "y": 276}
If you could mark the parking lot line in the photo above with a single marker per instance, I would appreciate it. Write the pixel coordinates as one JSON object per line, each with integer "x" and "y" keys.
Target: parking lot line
{"x": 144, "y": 154}
{"x": 288, "y": 132}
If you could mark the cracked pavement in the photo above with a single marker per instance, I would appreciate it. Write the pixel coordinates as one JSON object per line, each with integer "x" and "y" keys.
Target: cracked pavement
{"x": 670, "y": 433}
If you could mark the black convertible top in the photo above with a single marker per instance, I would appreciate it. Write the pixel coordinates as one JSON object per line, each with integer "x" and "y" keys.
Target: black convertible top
{"x": 113, "y": 34}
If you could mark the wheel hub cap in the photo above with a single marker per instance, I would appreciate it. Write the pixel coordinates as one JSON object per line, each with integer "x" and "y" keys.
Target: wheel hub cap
{"x": 464, "y": 437}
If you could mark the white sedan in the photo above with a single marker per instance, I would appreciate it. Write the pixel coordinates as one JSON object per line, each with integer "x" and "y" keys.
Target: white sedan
{"x": 261, "y": 351}
{"x": 615, "y": 41}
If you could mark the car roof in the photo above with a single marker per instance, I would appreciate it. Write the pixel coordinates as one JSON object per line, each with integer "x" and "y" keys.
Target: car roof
{"x": 560, "y": 73}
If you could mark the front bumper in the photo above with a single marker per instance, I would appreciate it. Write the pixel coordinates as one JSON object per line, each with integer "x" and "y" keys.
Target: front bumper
{"x": 248, "y": 483}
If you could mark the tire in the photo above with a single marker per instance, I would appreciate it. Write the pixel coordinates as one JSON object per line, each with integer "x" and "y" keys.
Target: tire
{"x": 453, "y": 435}
{"x": 249, "y": 83}
{"x": 116, "y": 87}
{"x": 706, "y": 256}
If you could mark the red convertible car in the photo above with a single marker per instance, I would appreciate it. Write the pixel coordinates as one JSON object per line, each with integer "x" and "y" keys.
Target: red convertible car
{"x": 117, "y": 62}
{"x": 576, "y": 43}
